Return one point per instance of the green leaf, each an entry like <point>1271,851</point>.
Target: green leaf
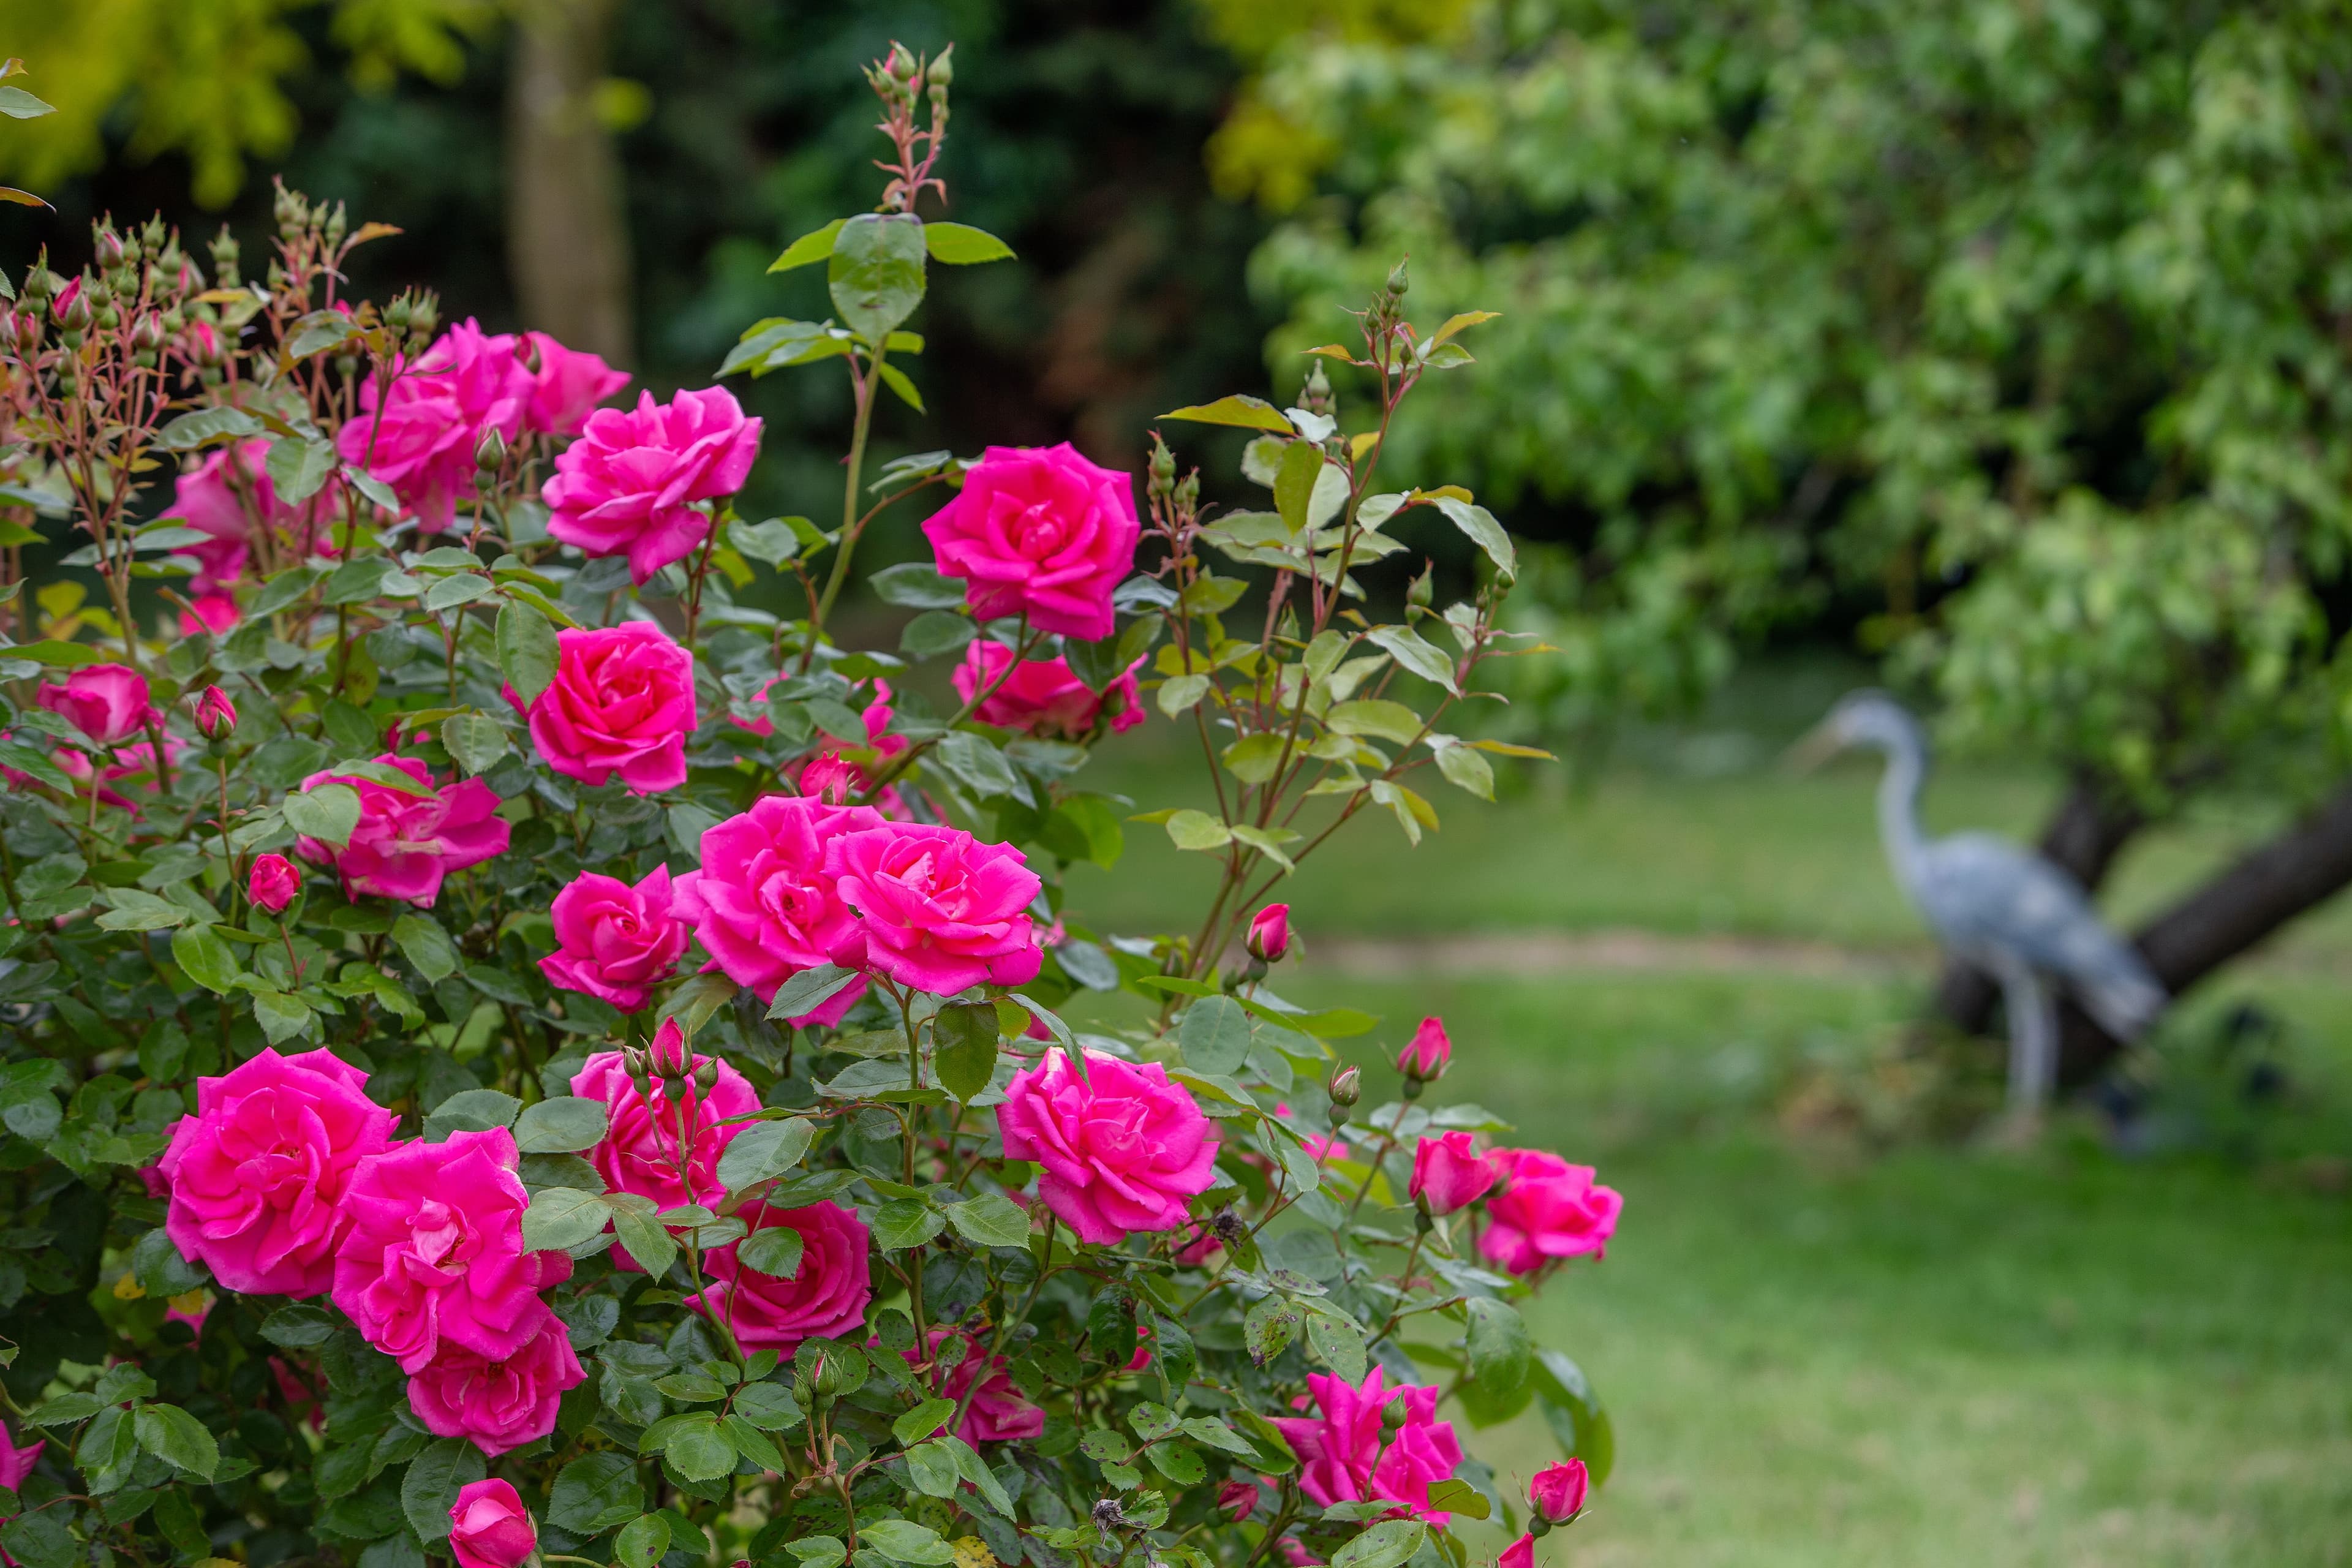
<point>1466,768</point>
<point>764,1150</point>
<point>903,1223</point>
<point>593,1494</point>
<point>206,426</point>
<point>964,1055</point>
<point>1410,649</point>
<point>876,271</point>
<point>1215,1036</point>
<point>281,1016</point>
<point>204,958</point>
<point>904,1541</point>
<point>562,1218</point>
<point>563,1125</point>
<point>1240,409</point>
<point>528,650</point>
<point>1180,693</point>
<point>461,588</point>
<point>1378,717</point>
<point>961,244</point>
<point>932,1467</point>
<point>936,632</point>
<point>1458,1496</point>
<point>1253,758</point>
<point>327,811</point>
<point>40,1540</point>
<point>1294,483</point>
<point>444,1468</point>
<point>282,590</point>
<point>980,766</point>
<point>1178,1463</point>
<point>809,248</point>
<point>774,1251</point>
<point>1190,829</point>
<point>1386,1544</point>
<point>804,991</point>
<point>818,1551</point>
<point>298,1326</point>
<point>917,586</point>
<point>1340,1343</point>
<point>1484,532</point>
<point>1268,1327</point>
<point>642,1541</point>
<point>653,1248</point>
<point>990,1220</point>
<point>178,1438</point>
<point>298,465</point>
<point>476,740</point>
<point>1499,1347</point>
<point>896,380</point>
<point>426,945</point>
<point>18,104</point>
<point>470,1110</point>
<point>699,1448</point>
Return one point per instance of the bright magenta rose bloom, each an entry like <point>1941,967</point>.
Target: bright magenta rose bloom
<point>1557,1494</point>
<point>1548,1210</point>
<point>824,1299</point>
<point>489,1526</point>
<point>404,844</point>
<point>107,702</point>
<point>1449,1174</point>
<point>274,882</point>
<point>622,702</point>
<point>997,1413</point>
<point>257,1176</point>
<point>938,910</point>
<point>497,1405</point>
<point>625,487</point>
<point>614,942</point>
<point>422,441</point>
<point>763,905</point>
<point>639,1152</point>
<point>1042,532</point>
<point>1345,1456</point>
<point>1519,1554</point>
<point>16,1463</point>
<point>567,385</point>
<point>1122,1149</point>
<point>1043,698</point>
<point>433,1256</point>
<point>207,499</point>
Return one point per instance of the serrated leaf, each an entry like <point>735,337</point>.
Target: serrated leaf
<point>875,273</point>
<point>1386,1544</point>
<point>642,1541</point>
<point>1238,409</point>
<point>429,1489</point>
<point>563,1125</point>
<point>298,465</point>
<point>1179,694</point>
<point>204,958</point>
<point>990,1220</point>
<point>804,991</point>
<point>653,1248</point>
<point>764,1150</point>
<point>1215,1036</point>
<point>476,740</point>
<point>327,811</point>
<point>561,1218</point>
<point>178,1438</point>
<point>775,1250</point>
<point>903,1223</point>
<point>426,945</point>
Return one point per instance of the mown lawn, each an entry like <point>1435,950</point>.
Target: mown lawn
<point>1822,1351</point>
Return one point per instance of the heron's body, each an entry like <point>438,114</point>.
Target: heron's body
<point>2001,908</point>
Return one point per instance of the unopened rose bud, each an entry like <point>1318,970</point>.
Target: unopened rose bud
<point>1557,1495</point>
<point>71,307</point>
<point>491,452</point>
<point>337,222</point>
<point>273,883</point>
<point>1269,934</point>
<point>109,248</point>
<point>1347,1085</point>
<point>39,283</point>
<point>215,714</point>
<point>1418,591</point>
<point>667,1055</point>
<point>1188,494</point>
<point>1238,1499</point>
<point>395,315</point>
<point>147,332</point>
<point>902,64</point>
<point>705,1077</point>
<point>1398,282</point>
<point>422,318</point>
<point>1426,1058</point>
<point>225,257</point>
<point>155,234</point>
<point>942,71</point>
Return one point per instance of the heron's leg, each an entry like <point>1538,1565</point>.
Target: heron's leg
<point>2032,1037</point>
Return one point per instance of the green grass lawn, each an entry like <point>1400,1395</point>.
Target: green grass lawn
<point>1820,1354</point>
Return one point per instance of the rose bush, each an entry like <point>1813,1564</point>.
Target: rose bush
<point>479,993</point>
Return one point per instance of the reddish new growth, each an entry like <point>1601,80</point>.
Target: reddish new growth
<point>893,82</point>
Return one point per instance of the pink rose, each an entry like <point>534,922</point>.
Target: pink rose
<point>567,385</point>
<point>1043,698</point>
<point>489,1526</point>
<point>614,941</point>
<point>134,762</point>
<point>1345,1456</point>
<point>763,905</point>
<point>405,844</point>
<point>422,441</point>
<point>997,1413</point>
<point>1557,1494</point>
<point>16,1463</point>
<point>433,1256</point>
<point>208,613</point>
<point>1429,1053</point>
<point>1548,1210</point>
<point>626,486</point>
<point>1238,1499</point>
<point>274,882</point>
<point>1519,1554</point>
<point>499,1404</point>
<point>259,1175</point>
<point>622,701</point>
<point>225,495</point>
<point>639,1152</point>
<point>1269,933</point>
<point>1449,1174</point>
<point>826,1297</point>
<point>107,702</point>
<point>1042,532</point>
<point>832,776</point>
<point>1122,1149</point>
<point>215,714</point>
<point>938,909</point>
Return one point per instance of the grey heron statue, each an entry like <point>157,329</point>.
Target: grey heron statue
<point>1992,904</point>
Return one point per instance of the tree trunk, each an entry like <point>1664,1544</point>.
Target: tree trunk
<point>567,235</point>
<point>2232,912</point>
<point>2090,825</point>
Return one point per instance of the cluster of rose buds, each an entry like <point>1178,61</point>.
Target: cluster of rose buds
<point>667,1062</point>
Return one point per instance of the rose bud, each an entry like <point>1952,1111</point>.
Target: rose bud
<point>273,883</point>
<point>1519,1554</point>
<point>1238,1499</point>
<point>1347,1085</point>
<point>1449,1174</point>
<point>1557,1494</point>
<point>668,1050</point>
<point>1269,933</point>
<point>1426,1058</point>
<point>489,1528</point>
<point>215,714</point>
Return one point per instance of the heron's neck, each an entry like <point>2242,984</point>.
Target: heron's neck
<point>1899,809</point>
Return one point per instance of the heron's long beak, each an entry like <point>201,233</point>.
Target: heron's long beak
<point>1817,746</point>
